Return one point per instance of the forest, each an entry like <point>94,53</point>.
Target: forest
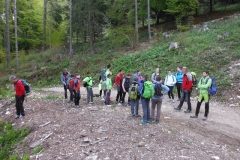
<point>30,26</point>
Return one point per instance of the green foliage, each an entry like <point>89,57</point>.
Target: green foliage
<point>2,55</point>
<point>26,157</point>
<point>8,138</point>
<point>37,150</point>
<point>51,97</point>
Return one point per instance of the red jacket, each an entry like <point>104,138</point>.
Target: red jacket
<point>118,78</point>
<point>76,85</point>
<point>19,88</point>
<point>187,81</point>
<point>71,84</point>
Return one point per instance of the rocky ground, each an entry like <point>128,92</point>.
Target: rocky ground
<point>98,132</point>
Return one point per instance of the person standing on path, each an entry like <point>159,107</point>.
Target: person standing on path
<point>155,74</point>
<point>157,99</point>
<point>186,87</point>
<point>76,89</point>
<point>117,81</point>
<point>179,78</point>
<point>109,88</point>
<point>64,80</point>
<point>170,81</point>
<point>89,83</point>
<point>19,96</point>
<point>204,84</point>
<point>125,85</point>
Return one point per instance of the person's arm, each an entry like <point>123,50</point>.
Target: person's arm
<point>123,85</point>
<point>165,82</point>
<point>206,86</point>
<point>174,80</point>
<point>166,89</point>
<point>62,80</point>
<point>189,82</point>
<point>140,88</point>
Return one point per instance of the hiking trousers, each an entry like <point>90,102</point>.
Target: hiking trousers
<point>71,95</point>
<point>65,90</point>
<point>179,89</point>
<point>19,105</point>
<point>134,106</point>
<point>89,95</point>
<point>185,95</point>
<point>170,92</point>
<point>158,103</point>
<point>206,105</point>
<point>146,109</point>
<point>107,99</point>
<point>119,94</point>
<point>77,97</point>
<point>123,96</point>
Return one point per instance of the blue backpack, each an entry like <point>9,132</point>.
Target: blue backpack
<point>26,86</point>
<point>213,89</point>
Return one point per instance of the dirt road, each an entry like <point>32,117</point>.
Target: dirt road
<point>100,132</point>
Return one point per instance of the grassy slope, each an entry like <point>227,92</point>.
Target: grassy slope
<point>198,51</point>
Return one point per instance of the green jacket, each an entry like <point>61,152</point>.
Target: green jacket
<point>109,84</point>
<point>203,84</point>
<point>89,81</point>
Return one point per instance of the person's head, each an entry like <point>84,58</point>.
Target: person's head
<point>72,75</point>
<point>184,70</point>
<point>144,77</point>
<point>139,71</point>
<point>109,66</point>
<point>169,72</point>
<point>89,73</point>
<point>109,76</point>
<point>158,78</point>
<point>65,71</point>
<point>179,68</point>
<point>13,78</point>
<point>129,75</point>
<point>157,70</point>
<point>135,79</point>
<point>205,73</point>
<point>121,71</point>
<point>77,76</point>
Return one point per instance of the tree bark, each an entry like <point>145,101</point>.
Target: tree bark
<point>149,27</point>
<point>136,21</point>
<point>211,6</point>
<point>7,34</point>
<point>70,40</point>
<point>16,32</point>
<point>90,22</point>
<point>44,23</point>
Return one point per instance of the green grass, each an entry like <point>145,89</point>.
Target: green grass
<point>9,137</point>
<point>51,97</point>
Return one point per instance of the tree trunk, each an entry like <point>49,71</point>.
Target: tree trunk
<point>136,21</point>
<point>44,24</point>
<point>196,11</point>
<point>149,29</point>
<point>211,6</point>
<point>16,32</point>
<point>70,40</point>
<point>50,26</point>
<point>7,34</point>
<point>142,22</point>
<point>91,32</point>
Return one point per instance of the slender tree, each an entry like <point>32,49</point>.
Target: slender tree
<point>70,40</point>
<point>149,27</point>
<point>136,20</point>
<point>7,34</point>
<point>44,23</point>
<point>16,32</point>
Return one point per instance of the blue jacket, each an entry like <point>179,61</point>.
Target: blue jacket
<point>136,75</point>
<point>166,89</point>
<point>179,77</point>
<point>63,81</point>
<point>140,83</point>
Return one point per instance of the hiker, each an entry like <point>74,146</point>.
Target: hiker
<point>100,87</point>
<point>117,80</point>
<point>204,84</point>
<point>170,82</point>
<point>146,92</point>
<point>108,91</point>
<point>19,96</point>
<point>138,75</point>
<point>88,83</point>
<point>186,90</point>
<point>125,85</point>
<point>179,78</point>
<point>155,74</point>
<point>157,99</point>
<point>64,79</point>
<point>104,74</point>
<point>134,97</point>
<point>76,89</point>
<point>71,87</point>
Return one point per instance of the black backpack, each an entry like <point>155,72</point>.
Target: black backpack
<point>158,89</point>
<point>126,84</point>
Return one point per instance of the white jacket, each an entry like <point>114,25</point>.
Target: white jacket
<point>170,80</point>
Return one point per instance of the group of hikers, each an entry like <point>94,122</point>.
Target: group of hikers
<point>138,87</point>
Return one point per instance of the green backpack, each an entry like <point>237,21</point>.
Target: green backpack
<point>134,92</point>
<point>148,90</point>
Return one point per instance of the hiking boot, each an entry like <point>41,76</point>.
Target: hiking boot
<point>108,105</point>
<point>178,109</point>
<point>170,100</point>
<point>77,106</point>
<point>119,104</point>
<point>133,115</point>
<point>157,121</point>
<point>194,116</point>
<point>90,102</point>
<point>178,99</point>
<point>17,117</point>
<point>124,104</point>
<point>103,99</point>
<point>173,101</point>
<point>143,122</point>
<point>137,115</point>
<point>187,111</point>
<point>204,118</point>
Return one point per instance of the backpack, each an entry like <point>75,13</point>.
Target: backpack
<point>148,90</point>
<point>134,92</point>
<point>71,84</point>
<point>103,76</point>
<point>26,86</point>
<point>194,79</point>
<point>158,90</point>
<point>213,88</point>
<point>126,83</point>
